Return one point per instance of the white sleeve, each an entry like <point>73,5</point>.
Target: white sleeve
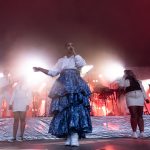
<point>56,69</point>
<point>79,61</point>
<point>123,82</point>
<point>143,90</point>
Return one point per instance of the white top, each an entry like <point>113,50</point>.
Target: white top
<point>21,97</point>
<point>65,62</point>
<point>134,98</point>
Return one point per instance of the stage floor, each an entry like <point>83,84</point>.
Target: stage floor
<point>103,127</point>
<point>85,144</point>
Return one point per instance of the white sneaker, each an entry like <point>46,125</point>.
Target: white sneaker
<point>134,135</point>
<point>74,139</point>
<point>68,141</point>
<point>142,135</point>
<point>20,139</point>
<point>12,140</point>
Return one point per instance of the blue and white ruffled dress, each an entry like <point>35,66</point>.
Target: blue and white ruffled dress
<point>70,105</point>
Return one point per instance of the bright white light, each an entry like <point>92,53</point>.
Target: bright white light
<point>1,75</point>
<point>104,110</point>
<point>112,71</point>
<point>42,87</point>
<point>42,108</point>
<point>100,76</point>
<point>95,81</point>
<point>146,84</point>
<point>86,69</point>
<point>25,69</point>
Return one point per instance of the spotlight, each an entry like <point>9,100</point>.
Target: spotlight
<point>112,71</point>
<point>25,69</point>
<point>86,69</point>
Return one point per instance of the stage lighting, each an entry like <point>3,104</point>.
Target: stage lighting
<point>100,76</point>
<point>112,71</point>
<point>25,70</point>
<point>86,69</point>
<point>1,75</point>
<point>146,84</point>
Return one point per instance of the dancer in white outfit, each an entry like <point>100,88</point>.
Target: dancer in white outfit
<point>135,97</point>
<point>19,103</point>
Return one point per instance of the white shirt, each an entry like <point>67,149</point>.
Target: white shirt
<point>65,62</point>
<point>21,97</point>
<point>134,98</point>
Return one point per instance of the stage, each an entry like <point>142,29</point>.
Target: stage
<point>85,144</point>
<point>103,127</point>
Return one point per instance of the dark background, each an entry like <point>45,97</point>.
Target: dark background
<point>100,29</point>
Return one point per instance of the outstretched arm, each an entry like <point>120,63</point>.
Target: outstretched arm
<point>53,71</point>
<point>36,69</point>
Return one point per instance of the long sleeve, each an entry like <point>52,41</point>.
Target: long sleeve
<point>56,69</point>
<point>73,62</point>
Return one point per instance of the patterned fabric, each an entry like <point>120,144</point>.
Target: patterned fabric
<point>70,105</point>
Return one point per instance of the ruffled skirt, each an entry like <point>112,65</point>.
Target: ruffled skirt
<point>70,105</point>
